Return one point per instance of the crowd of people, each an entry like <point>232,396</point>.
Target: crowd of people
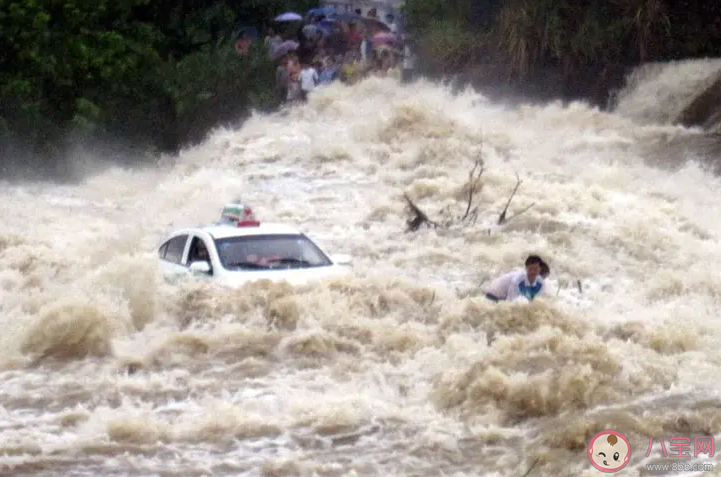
<point>325,47</point>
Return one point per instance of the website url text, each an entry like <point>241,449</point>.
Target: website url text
<point>680,467</point>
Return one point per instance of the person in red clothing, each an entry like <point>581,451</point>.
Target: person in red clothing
<point>242,44</point>
<point>354,37</point>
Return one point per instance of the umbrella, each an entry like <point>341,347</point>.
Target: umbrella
<point>312,31</point>
<point>383,39</point>
<point>289,17</point>
<point>283,49</point>
<point>250,32</point>
<point>373,25</point>
<point>344,17</point>
<point>321,11</point>
<point>326,25</point>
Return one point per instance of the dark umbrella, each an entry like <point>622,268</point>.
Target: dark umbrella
<point>320,12</point>
<point>326,25</point>
<point>344,17</point>
<point>250,32</point>
<point>374,26</point>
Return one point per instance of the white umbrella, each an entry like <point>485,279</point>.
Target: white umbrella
<point>289,17</point>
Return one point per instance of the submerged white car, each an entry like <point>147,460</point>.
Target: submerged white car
<point>239,250</point>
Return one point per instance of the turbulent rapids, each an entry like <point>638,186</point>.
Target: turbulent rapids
<point>404,369</point>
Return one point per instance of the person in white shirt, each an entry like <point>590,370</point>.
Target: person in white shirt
<point>526,282</point>
<point>308,80</point>
<point>391,22</point>
<point>409,62</point>
<point>365,50</point>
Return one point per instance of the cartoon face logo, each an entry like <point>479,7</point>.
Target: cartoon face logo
<point>609,451</point>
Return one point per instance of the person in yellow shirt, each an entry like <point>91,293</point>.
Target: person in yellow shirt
<point>351,69</point>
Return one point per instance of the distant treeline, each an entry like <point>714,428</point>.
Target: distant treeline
<point>159,74</point>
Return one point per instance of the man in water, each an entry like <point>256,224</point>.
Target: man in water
<point>519,283</point>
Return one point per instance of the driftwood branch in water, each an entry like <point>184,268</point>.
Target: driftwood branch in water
<point>419,217</point>
<point>470,215</point>
<point>502,219</point>
<point>474,186</point>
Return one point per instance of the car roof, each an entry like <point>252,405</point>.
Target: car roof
<point>221,231</point>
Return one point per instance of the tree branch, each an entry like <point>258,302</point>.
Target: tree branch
<point>470,215</point>
<point>519,213</point>
<point>502,217</point>
<point>474,186</point>
<point>419,217</point>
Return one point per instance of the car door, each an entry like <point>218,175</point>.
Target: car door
<point>171,255</point>
<point>197,241</point>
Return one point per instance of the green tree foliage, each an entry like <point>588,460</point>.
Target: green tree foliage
<point>579,39</point>
<point>155,72</point>
<point>447,38</point>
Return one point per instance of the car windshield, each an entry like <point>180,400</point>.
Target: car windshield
<point>269,252</point>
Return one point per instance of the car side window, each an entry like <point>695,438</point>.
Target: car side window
<point>175,249</point>
<point>198,251</point>
<point>162,250</point>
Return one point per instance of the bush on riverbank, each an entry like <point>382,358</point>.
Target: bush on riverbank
<point>583,46</point>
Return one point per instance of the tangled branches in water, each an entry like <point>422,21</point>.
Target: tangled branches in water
<point>470,216</point>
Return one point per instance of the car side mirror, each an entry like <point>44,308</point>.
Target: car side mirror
<point>341,259</point>
<point>200,267</point>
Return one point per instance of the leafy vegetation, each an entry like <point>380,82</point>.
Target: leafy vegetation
<point>584,43</point>
<point>155,74</point>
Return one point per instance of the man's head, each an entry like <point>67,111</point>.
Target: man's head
<point>533,267</point>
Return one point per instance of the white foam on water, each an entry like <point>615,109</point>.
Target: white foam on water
<point>403,369</point>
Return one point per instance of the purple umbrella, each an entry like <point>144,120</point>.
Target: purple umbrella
<point>326,24</point>
<point>384,39</point>
<point>289,17</point>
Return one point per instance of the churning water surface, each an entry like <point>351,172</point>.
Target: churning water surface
<point>404,369</point>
